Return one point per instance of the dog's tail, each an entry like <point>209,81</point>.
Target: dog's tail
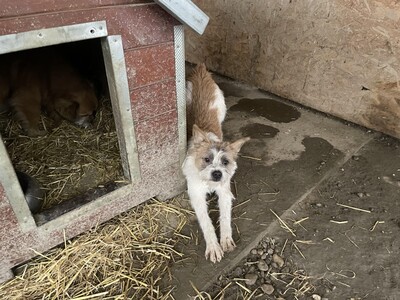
<point>201,67</point>
<point>200,71</point>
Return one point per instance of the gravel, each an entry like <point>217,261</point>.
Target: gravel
<point>266,273</point>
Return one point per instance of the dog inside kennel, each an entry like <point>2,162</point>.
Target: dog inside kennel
<point>57,122</point>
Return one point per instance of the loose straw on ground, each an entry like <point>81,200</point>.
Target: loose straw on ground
<point>128,257</point>
<point>283,223</point>
<point>354,208</point>
<point>375,224</point>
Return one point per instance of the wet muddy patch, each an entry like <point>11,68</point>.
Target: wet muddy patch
<point>270,109</point>
<point>259,131</point>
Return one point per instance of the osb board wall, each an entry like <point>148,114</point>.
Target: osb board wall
<point>337,56</point>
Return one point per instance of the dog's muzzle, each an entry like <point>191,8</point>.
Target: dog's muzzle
<point>85,121</point>
<point>216,175</point>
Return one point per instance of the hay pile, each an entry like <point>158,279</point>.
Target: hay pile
<point>128,257</point>
<point>68,160</point>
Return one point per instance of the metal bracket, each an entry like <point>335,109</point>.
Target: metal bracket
<point>52,36</point>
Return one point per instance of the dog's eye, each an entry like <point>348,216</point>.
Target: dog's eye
<point>206,159</point>
<point>225,162</point>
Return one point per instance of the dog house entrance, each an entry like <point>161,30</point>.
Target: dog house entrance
<point>73,165</point>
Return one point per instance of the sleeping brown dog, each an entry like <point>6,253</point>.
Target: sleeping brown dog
<point>42,80</point>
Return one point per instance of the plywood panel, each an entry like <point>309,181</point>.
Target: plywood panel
<point>148,65</point>
<point>340,57</point>
<point>153,100</point>
<point>29,7</point>
<point>138,25</point>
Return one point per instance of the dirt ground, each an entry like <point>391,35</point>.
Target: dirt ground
<point>321,194</point>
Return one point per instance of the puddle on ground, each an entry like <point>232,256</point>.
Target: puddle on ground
<point>273,110</point>
<point>259,131</point>
<point>230,89</point>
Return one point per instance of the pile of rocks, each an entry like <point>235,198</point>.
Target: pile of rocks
<point>266,272</point>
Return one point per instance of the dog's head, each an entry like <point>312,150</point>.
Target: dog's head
<point>79,107</point>
<point>212,160</point>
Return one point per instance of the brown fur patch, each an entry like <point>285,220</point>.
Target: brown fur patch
<point>41,79</point>
<point>200,153</point>
<point>203,96</point>
<point>202,147</point>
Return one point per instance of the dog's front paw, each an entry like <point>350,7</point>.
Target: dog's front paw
<point>214,252</point>
<point>227,244</point>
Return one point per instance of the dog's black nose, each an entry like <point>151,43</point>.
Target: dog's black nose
<point>216,175</point>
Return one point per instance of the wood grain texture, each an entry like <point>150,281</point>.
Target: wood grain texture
<point>338,56</point>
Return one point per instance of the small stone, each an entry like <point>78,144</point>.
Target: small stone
<point>238,272</point>
<point>361,195</point>
<point>285,270</point>
<point>267,289</point>
<point>260,252</point>
<point>254,251</point>
<point>270,251</point>
<point>278,260</point>
<point>251,278</point>
<point>316,297</point>
<point>262,266</point>
<point>264,256</point>
<point>319,204</point>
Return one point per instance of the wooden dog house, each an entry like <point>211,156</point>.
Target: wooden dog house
<point>142,43</point>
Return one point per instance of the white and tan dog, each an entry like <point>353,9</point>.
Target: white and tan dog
<point>210,163</point>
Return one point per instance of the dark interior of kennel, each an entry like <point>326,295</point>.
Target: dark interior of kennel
<point>57,154</point>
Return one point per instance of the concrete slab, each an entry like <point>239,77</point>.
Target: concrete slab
<point>361,259</point>
<point>293,150</point>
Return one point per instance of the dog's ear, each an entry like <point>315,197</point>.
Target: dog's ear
<point>66,108</point>
<point>237,145</point>
<point>199,135</point>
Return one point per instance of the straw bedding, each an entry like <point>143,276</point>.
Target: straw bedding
<point>125,258</point>
<point>68,160</point>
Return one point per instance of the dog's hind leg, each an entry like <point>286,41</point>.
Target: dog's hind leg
<point>198,197</point>
<point>225,210</point>
<point>27,105</point>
